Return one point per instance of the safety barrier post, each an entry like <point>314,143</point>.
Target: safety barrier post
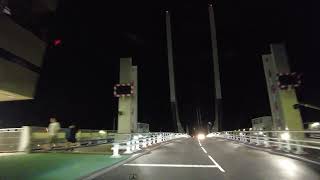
<point>288,147</point>
<point>149,141</point>
<point>133,145</point>
<point>299,149</point>
<point>128,148</point>
<point>144,143</point>
<point>153,139</point>
<point>250,138</point>
<point>115,149</point>
<point>279,144</point>
<point>257,140</point>
<point>137,141</point>
<point>266,141</point>
<point>159,138</point>
<point>25,139</point>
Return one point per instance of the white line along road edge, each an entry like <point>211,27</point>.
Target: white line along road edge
<point>173,165</point>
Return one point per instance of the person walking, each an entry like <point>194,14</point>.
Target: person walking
<point>53,129</point>
<point>71,135</point>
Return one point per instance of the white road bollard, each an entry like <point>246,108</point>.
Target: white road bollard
<point>153,139</point>
<point>257,140</point>
<point>242,138</point>
<point>299,149</point>
<point>115,150</point>
<point>128,148</point>
<point>137,142</point>
<point>133,145</point>
<point>279,144</point>
<point>250,138</point>
<point>149,141</point>
<point>288,146</point>
<point>159,138</point>
<point>144,142</point>
<point>266,141</point>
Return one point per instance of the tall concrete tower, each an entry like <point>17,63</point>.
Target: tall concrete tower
<point>173,99</point>
<point>218,96</point>
<point>128,107</point>
<point>284,116</point>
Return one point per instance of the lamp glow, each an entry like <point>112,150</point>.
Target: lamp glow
<point>201,136</point>
<point>285,136</point>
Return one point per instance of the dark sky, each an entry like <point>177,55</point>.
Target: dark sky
<point>77,77</point>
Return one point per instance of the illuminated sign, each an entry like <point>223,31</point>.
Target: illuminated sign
<point>123,90</point>
<point>288,80</point>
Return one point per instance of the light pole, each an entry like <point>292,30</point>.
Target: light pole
<point>173,99</point>
<point>217,85</point>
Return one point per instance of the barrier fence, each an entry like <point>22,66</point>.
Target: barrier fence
<point>140,141</point>
<point>27,139</point>
<point>289,141</point>
<point>10,139</point>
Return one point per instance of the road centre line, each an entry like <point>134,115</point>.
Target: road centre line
<point>173,165</point>
<point>214,162</point>
<point>204,150</point>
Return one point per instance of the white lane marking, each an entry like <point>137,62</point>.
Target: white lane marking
<point>214,162</point>
<point>204,150</point>
<point>222,170</point>
<point>173,165</point>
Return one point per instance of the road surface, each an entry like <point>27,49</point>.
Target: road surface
<point>212,158</point>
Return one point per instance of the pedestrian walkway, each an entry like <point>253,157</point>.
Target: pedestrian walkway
<point>53,165</point>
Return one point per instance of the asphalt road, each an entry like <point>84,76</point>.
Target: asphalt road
<point>212,158</point>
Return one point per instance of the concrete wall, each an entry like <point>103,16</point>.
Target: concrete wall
<point>18,82</point>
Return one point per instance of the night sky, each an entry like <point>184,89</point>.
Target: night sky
<point>77,76</point>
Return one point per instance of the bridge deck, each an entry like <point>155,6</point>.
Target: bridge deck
<point>212,159</point>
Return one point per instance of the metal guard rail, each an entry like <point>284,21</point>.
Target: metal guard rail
<point>142,141</point>
<point>289,141</point>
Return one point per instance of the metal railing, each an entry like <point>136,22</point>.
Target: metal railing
<point>289,141</point>
<point>85,137</point>
<point>139,141</point>
<point>29,138</point>
<point>10,139</point>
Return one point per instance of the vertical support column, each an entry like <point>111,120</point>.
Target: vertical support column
<point>217,84</point>
<point>125,103</point>
<point>281,100</point>
<point>135,99</point>
<point>25,140</point>
<point>173,100</point>
<point>128,105</point>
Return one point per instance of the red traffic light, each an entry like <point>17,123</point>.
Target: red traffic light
<point>57,42</point>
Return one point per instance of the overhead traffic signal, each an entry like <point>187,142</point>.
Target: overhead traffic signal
<point>288,80</point>
<point>122,90</point>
